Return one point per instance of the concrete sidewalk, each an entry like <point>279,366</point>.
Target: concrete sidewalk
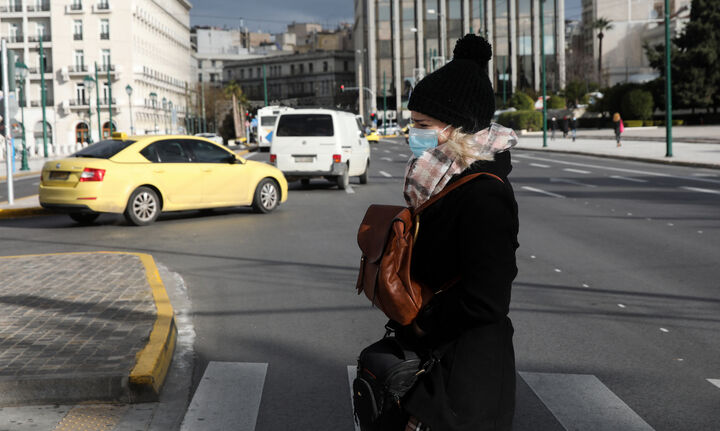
<point>79,327</point>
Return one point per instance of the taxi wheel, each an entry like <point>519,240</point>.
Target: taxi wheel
<point>84,218</point>
<point>267,196</point>
<point>143,207</point>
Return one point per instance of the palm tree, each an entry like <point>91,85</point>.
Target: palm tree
<point>601,25</point>
<point>234,91</point>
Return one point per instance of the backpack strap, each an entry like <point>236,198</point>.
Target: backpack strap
<point>450,187</point>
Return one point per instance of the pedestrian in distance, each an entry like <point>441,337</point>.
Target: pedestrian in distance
<point>573,127</point>
<point>619,127</point>
<point>553,127</point>
<point>469,236</point>
<point>565,126</point>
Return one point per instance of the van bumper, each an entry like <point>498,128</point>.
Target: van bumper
<point>335,170</point>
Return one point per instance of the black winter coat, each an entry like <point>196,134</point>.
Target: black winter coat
<point>471,232</point>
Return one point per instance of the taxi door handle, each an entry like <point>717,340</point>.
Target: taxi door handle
<point>159,171</point>
<point>207,170</point>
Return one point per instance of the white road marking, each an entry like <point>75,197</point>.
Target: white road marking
<point>349,190</point>
<point>671,224</point>
<point>533,189</point>
<point>532,257</point>
<point>634,180</point>
<point>583,402</point>
<point>664,330</point>
<point>538,165</point>
<point>565,180</point>
<point>704,175</point>
<point>228,397</point>
<point>385,174</point>
<point>577,171</point>
<point>585,285</point>
<point>609,168</point>
<point>404,156</point>
<point>621,305</point>
<point>695,189</point>
<point>558,270</point>
<point>352,373</point>
<point>386,151</point>
<point>700,231</point>
<point>387,159</point>
<point>715,382</point>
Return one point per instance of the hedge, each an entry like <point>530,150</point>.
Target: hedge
<point>557,102</point>
<point>519,120</point>
<point>637,104</point>
<point>521,101</point>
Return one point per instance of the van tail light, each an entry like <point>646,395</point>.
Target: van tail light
<point>337,158</point>
<point>91,174</point>
<point>273,158</point>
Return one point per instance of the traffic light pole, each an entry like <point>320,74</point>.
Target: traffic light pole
<point>668,84</point>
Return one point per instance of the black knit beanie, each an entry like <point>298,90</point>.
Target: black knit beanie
<point>460,93</point>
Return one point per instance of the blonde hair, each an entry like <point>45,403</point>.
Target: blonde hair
<point>464,148</point>
<point>616,117</point>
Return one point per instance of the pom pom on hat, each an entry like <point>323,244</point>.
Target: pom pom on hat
<point>474,48</point>
<point>460,93</point>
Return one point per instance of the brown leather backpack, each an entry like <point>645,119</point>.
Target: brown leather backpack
<point>386,237</point>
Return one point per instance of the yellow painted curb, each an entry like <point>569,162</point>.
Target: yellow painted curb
<point>153,361</point>
<point>22,212</point>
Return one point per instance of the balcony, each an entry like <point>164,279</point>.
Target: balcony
<point>42,7</point>
<point>106,68</point>
<point>44,37</point>
<point>78,69</point>
<point>77,36</point>
<point>36,70</point>
<point>74,8</point>
<point>104,101</point>
<point>78,104</point>
<point>16,38</point>
<point>12,8</point>
<point>49,102</point>
<point>101,7</point>
<point>104,36</point>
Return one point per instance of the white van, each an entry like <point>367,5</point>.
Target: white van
<point>266,119</point>
<point>311,143</point>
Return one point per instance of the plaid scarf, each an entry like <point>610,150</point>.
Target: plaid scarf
<point>427,175</point>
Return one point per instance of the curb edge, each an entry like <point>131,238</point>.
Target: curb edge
<point>619,157</point>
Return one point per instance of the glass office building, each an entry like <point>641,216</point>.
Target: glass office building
<point>397,42</point>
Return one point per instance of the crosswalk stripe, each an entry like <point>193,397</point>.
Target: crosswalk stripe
<point>697,189</point>
<point>715,382</point>
<point>635,180</point>
<point>228,397</point>
<point>385,174</point>
<point>582,402</point>
<point>539,165</point>
<point>577,171</point>
<point>352,372</point>
<point>533,189</point>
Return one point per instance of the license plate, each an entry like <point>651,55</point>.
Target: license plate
<point>304,159</point>
<point>59,175</point>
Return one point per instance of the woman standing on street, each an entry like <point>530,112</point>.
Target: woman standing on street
<point>618,126</point>
<point>470,237</point>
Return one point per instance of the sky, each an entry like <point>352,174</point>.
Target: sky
<point>273,16</point>
<point>270,16</point>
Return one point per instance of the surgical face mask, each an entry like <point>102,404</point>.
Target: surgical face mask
<point>421,140</point>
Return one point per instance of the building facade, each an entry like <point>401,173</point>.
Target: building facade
<point>139,46</point>
<point>312,79</point>
<point>399,41</point>
<point>634,22</point>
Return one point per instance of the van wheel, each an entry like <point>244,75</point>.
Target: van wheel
<point>143,207</point>
<point>84,218</point>
<point>267,196</point>
<point>343,180</point>
<point>364,176</point>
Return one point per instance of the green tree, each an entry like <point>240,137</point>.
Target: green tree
<point>602,25</point>
<point>234,92</point>
<point>637,104</point>
<point>521,101</point>
<point>557,102</point>
<point>695,57</point>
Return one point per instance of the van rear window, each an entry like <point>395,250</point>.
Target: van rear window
<point>305,125</point>
<point>268,121</point>
<point>104,149</point>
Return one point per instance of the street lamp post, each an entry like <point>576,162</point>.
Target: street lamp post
<point>89,84</point>
<point>668,85</point>
<point>164,108</point>
<point>97,96</point>
<point>21,74</point>
<point>129,91</point>
<point>544,84</point>
<point>153,100</point>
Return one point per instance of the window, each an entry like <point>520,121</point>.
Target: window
<point>249,73</point>
<point>103,5</point>
<point>205,152</point>
<point>81,133</point>
<point>302,68</point>
<point>105,29</point>
<point>310,67</point>
<point>104,149</point>
<point>41,30</point>
<point>80,94</point>
<point>212,63</point>
<point>106,59</point>
<point>325,66</point>
<point>79,60</point>
<point>166,152</point>
<point>292,69</point>
<point>242,73</point>
<point>345,65</point>
<point>200,77</point>
<point>213,77</point>
<point>106,93</point>
<point>76,5</point>
<point>305,125</point>
<point>77,29</point>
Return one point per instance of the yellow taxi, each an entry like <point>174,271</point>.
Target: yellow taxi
<point>143,176</point>
<point>373,136</point>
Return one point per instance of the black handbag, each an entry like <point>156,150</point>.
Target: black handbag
<point>386,371</point>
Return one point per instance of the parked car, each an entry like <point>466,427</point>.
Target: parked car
<point>143,176</point>
<point>211,136</point>
<point>312,143</point>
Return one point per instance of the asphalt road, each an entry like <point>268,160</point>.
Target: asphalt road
<point>615,306</point>
<point>22,186</point>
